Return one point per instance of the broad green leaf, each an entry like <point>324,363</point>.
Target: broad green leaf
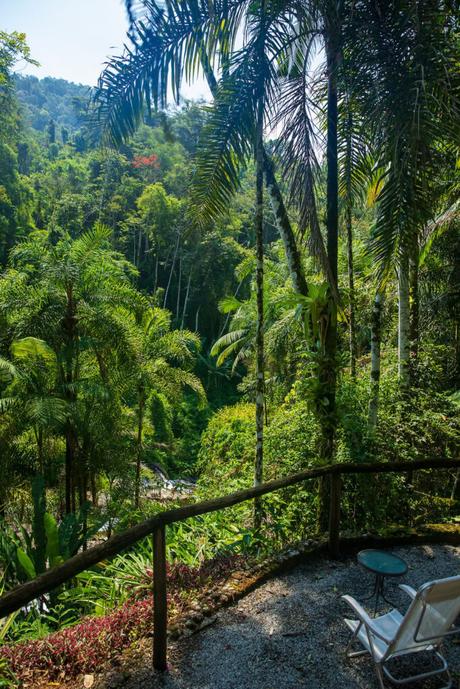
<point>26,563</point>
<point>52,538</point>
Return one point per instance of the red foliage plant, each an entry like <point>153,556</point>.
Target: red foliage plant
<point>92,642</point>
<point>140,162</point>
<point>85,646</point>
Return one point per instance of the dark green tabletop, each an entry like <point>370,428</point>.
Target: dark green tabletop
<point>382,563</point>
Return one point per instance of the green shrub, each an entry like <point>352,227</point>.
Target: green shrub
<point>226,454</point>
<point>426,427</point>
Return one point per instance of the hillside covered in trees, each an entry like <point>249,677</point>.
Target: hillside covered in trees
<point>195,298</point>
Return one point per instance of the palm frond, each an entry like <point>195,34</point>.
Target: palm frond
<point>227,143</point>
<point>296,147</point>
<point>437,228</point>
<point>167,43</point>
<point>354,157</point>
<point>406,84</point>
<point>8,370</point>
<point>229,304</point>
<point>228,340</point>
<point>91,244</point>
<point>48,411</point>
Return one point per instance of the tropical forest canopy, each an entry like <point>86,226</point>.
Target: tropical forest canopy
<point>230,292</point>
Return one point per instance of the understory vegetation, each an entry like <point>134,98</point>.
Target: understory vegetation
<point>196,298</point>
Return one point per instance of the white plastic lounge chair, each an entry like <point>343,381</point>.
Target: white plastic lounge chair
<point>428,620</point>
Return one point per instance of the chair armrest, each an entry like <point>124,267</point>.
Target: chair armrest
<point>365,619</point>
<point>409,590</point>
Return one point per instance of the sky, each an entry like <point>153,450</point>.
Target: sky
<point>71,39</point>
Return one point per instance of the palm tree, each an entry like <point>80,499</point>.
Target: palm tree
<point>161,362</point>
<point>263,72</point>
<point>31,394</point>
<point>407,89</point>
<point>74,296</point>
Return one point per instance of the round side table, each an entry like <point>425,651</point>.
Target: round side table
<point>382,564</point>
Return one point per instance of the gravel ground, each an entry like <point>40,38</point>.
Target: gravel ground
<point>289,633</point>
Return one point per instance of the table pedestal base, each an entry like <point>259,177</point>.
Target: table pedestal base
<point>378,593</point>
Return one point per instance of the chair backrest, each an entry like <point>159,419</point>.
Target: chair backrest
<point>430,616</point>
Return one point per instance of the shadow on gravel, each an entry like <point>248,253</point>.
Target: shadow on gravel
<point>289,633</point>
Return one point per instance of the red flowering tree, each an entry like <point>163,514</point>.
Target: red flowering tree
<point>141,162</point>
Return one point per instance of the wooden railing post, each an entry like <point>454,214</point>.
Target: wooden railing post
<point>160,609</point>
<point>334,513</point>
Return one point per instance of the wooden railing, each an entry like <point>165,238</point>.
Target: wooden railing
<point>156,526</point>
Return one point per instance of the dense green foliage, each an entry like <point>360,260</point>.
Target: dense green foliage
<point>137,324</point>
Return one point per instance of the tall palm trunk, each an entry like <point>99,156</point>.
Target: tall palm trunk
<point>349,227</point>
<point>376,340</point>
<point>327,372</point>
<point>329,369</point>
<point>70,440</point>
<point>352,301</point>
<point>259,238</point>
<point>157,261</point>
<point>258,470</point>
<point>403,320</point>
<point>41,463</point>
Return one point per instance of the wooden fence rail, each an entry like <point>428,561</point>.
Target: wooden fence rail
<point>155,526</point>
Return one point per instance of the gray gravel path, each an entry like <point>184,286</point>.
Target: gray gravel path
<point>289,633</point>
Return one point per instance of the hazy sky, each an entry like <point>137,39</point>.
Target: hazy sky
<point>71,38</point>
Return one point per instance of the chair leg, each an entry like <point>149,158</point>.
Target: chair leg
<point>378,670</point>
<point>354,654</point>
<point>444,669</point>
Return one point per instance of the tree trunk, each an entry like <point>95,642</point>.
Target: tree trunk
<point>403,320</point>
<point>179,290</point>
<point>92,479</point>
<point>327,372</point>
<point>455,484</point>
<point>140,423</point>
<point>329,369</point>
<point>187,292</point>
<point>259,238</point>
<point>349,227</point>
<point>283,224</point>
<point>73,502</point>
<point>70,334</point>
<point>157,260</point>
<point>376,339</point>
<point>258,471</point>
<point>173,265</point>
<point>41,462</point>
